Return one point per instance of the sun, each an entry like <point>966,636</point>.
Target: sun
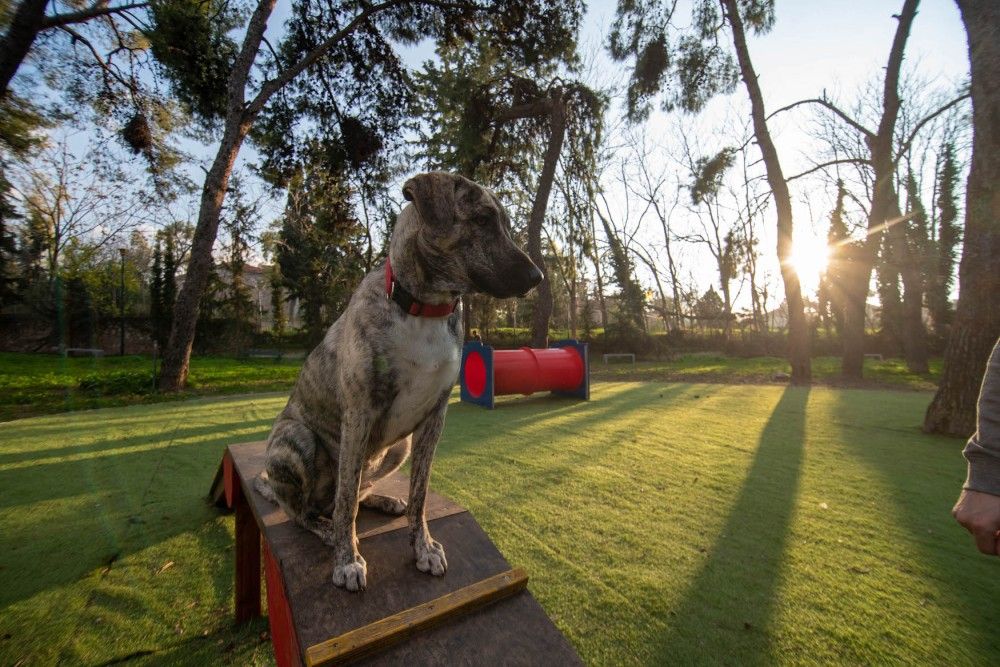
<point>809,258</point>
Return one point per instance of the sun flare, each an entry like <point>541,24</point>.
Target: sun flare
<point>809,258</point>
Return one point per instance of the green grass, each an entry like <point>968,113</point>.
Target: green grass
<point>712,367</point>
<point>34,384</point>
<point>660,524</point>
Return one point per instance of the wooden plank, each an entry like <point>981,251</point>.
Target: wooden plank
<point>395,628</point>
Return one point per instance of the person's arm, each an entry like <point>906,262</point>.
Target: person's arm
<point>978,508</point>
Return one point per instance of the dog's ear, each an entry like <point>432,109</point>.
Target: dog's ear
<point>433,194</point>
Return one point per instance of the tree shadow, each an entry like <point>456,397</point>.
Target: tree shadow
<point>922,488</point>
<point>731,600</point>
<point>40,457</point>
<point>531,425</point>
<point>72,517</point>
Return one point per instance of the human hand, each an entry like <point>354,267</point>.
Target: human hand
<point>979,513</point>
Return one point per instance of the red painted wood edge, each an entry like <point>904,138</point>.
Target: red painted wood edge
<point>283,638</point>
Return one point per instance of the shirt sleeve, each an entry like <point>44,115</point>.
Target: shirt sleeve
<point>983,450</point>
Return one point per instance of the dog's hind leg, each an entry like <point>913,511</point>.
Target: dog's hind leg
<point>297,474</point>
<point>394,457</point>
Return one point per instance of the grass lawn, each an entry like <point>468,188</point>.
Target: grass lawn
<point>713,367</point>
<point>660,524</point>
<point>35,384</point>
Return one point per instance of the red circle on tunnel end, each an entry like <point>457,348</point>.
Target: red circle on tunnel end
<point>475,374</point>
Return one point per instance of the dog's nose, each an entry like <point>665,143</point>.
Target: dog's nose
<point>534,276</point>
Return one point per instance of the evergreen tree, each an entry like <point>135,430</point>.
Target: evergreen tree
<point>169,285</point>
<point>319,248</point>
<point>889,294</point>
<point>238,302</point>
<point>942,268</point>
<point>156,314</point>
<point>632,306</point>
<point>8,246</point>
<point>710,310</point>
<point>831,285</point>
<point>280,322</point>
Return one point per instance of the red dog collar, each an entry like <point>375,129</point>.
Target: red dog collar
<point>406,301</point>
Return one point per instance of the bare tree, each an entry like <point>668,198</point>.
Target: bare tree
<point>882,150</point>
<point>662,199</point>
<point>68,199</point>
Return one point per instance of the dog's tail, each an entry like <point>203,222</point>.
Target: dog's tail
<point>263,486</point>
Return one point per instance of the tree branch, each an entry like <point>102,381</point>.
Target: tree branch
<point>905,146</point>
<point>77,37</point>
<point>831,107</point>
<point>830,163</point>
<point>540,107</point>
<point>285,76</point>
<point>99,8</point>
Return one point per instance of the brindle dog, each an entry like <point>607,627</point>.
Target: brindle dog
<point>377,387</point>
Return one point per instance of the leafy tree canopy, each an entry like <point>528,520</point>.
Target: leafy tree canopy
<point>687,66</point>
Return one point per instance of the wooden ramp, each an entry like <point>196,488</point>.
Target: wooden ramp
<point>479,612</point>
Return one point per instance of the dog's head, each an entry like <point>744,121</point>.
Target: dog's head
<point>462,238</point>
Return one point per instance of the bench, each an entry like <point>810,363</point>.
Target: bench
<point>876,357</point>
<point>277,355</point>
<point>619,355</point>
<point>479,612</point>
<point>84,352</point>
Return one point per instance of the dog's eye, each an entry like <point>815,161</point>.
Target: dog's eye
<point>484,219</point>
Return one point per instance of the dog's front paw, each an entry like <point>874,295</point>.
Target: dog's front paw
<point>430,557</point>
<point>351,576</point>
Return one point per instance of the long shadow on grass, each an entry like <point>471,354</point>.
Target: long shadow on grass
<point>41,457</point>
<point>534,463</point>
<point>726,613</point>
<point>78,515</point>
<point>921,478</point>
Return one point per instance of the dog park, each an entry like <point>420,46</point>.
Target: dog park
<point>530,332</point>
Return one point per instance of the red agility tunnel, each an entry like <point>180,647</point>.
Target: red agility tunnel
<point>488,373</point>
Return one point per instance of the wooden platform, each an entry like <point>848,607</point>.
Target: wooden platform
<point>306,610</point>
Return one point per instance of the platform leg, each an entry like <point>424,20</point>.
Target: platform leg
<point>247,586</point>
<point>284,639</point>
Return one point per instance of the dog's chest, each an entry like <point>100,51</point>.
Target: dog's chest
<point>426,355</point>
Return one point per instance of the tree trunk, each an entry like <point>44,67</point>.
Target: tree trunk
<point>977,318</point>
<point>727,306</point>
<point>855,300</point>
<point>14,47</point>
<point>798,332</point>
<point>177,355</point>
<point>543,303</point>
<point>675,288</point>
<point>884,200</point>
<point>596,259</point>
